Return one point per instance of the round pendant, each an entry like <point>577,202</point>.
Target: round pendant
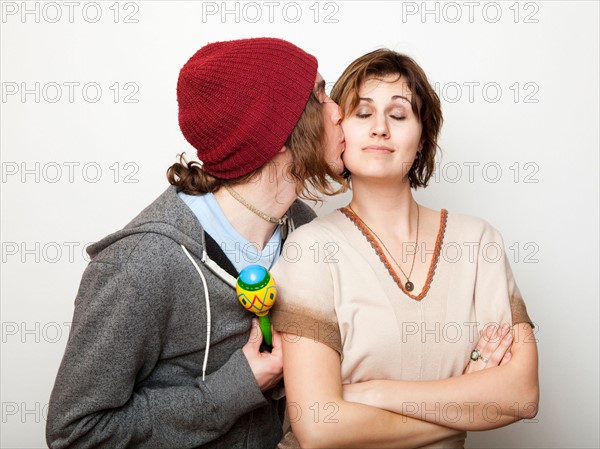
<point>409,286</point>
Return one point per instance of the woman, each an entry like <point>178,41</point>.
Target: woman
<point>161,353</point>
<point>397,291</point>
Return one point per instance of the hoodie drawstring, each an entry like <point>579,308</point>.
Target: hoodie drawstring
<point>208,322</point>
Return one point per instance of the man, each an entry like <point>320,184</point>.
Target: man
<point>161,353</point>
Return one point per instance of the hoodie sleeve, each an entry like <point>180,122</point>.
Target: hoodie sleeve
<point>115,343</point>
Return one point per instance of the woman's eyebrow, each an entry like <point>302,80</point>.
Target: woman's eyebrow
<point>394,97</point>
<point>401,97</point>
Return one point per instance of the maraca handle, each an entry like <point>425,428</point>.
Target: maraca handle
<point>265,326</point>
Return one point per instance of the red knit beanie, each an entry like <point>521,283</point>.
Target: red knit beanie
<point>240,100</point>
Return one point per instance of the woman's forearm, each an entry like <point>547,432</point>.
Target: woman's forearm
<point>342,424</point>
<point>482,400</point>
<point>320,417</point>
<point>478,401</point>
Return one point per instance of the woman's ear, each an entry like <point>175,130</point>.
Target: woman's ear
<point>283,149</point>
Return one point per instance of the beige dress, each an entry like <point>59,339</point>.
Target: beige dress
<point>336,286</point>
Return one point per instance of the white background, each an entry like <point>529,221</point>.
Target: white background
<point>519,86</point>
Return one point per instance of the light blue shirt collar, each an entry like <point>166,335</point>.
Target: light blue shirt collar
<point>238,250</point>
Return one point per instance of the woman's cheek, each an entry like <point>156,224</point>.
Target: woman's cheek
<point>352,131</point>
<point>348,158</point>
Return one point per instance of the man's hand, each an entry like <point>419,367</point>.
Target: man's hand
<point>266,366</point>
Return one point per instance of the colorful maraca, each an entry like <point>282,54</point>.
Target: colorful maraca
<point>256,291</point>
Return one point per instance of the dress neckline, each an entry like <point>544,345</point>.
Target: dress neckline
<point>379,250</point>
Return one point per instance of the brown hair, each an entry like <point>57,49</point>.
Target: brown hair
<point>309,168</point>
<point>378,64</point>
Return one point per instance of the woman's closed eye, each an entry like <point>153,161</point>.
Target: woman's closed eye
<point>393,115</point>
<point>398,113</point>
<point>363,112</point>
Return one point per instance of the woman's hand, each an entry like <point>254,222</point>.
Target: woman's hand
<point>492,349</point>
<point>513,387</point>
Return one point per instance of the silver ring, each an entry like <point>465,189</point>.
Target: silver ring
<point>483,359</point>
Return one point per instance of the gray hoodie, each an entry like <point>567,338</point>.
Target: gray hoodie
<point>132,372</point>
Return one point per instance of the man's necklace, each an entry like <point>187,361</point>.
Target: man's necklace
<point>251,208</point>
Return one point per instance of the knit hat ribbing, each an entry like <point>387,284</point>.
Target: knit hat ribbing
<point>240,100</point>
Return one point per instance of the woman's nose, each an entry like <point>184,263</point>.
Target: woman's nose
<point>379,127</point>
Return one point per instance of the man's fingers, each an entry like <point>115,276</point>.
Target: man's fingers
<point>256,337</point>
<point>276,340</point>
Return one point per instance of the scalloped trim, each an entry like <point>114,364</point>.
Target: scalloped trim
<point>377,247</point>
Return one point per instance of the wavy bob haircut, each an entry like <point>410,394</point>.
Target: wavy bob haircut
<point>382,63</point>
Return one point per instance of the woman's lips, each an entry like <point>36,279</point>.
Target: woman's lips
<point>378,149</point>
